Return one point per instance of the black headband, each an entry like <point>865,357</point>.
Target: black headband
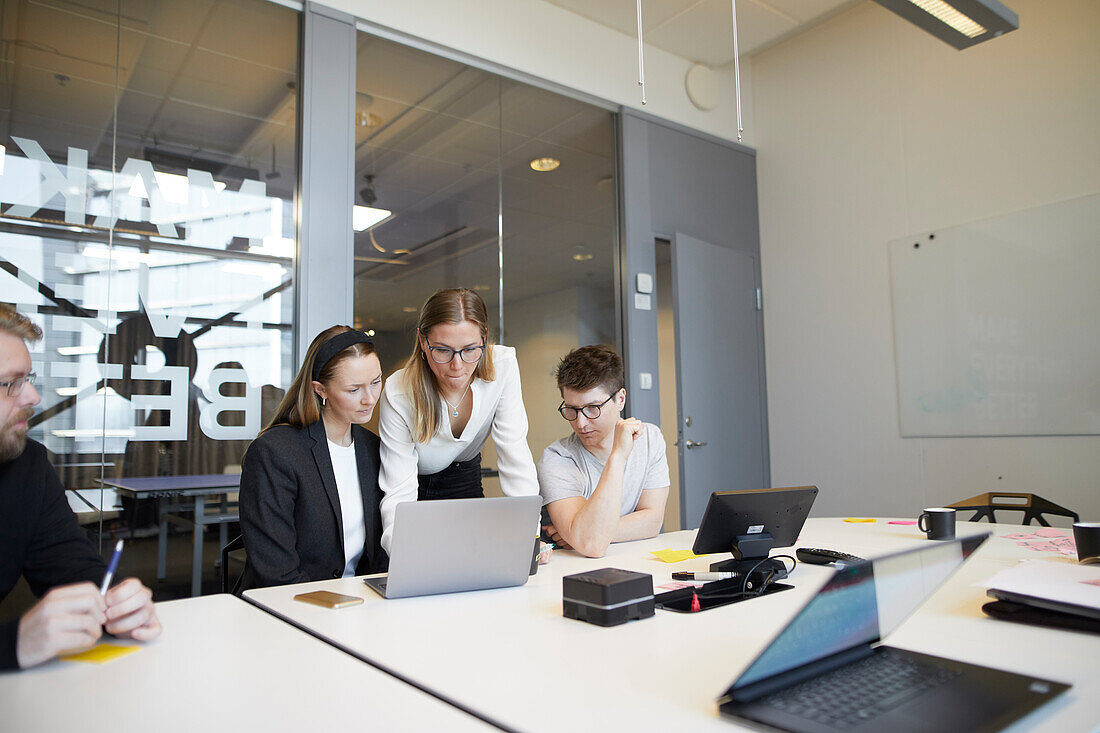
<point>334,346</point>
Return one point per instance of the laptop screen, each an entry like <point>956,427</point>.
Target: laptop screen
<point>860,604</point>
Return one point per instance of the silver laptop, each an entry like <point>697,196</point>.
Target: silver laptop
<point>454,545</point>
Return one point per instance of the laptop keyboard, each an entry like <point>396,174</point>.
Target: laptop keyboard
<point>861,691</point>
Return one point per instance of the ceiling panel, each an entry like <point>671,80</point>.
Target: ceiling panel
<point>704,34</point>
<point>699,30</point>
<point>622,14</point>
<point>804,10</point>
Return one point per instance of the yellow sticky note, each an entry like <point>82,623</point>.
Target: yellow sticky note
<point>668,555</point>
<point>859,520</point>
<point>101,653</point>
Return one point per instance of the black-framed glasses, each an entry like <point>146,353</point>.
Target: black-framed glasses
<point>445,354</point>
<point>15,386</point>
<point>589,411</point>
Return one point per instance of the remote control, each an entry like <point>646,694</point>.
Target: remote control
<point>817,556</point>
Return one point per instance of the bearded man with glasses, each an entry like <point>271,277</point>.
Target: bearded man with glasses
<point>608,481</point>
<point>40,538</point>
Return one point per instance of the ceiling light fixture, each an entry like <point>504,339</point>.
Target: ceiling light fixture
<point>365,217</point>
<point>582,256</point>
<point>542,165</point>
<point>960,23</point>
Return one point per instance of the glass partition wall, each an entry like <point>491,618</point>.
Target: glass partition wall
<point>147,185</point>
<point>468,179</point>
<point>148,174</point>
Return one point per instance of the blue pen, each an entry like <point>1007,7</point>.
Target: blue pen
<point>111,568</point>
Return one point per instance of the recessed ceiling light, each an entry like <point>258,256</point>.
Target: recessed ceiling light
<point>582,256</point>
<point>410,309</point>
<point>543,165</point>
<point>370,332</point>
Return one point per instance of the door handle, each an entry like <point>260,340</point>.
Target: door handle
<point>689,444</point>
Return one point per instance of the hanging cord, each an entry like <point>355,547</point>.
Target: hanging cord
<point>736,68</point>
<point>641,55</point>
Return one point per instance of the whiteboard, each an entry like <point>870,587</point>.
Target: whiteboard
<point>997,324</point>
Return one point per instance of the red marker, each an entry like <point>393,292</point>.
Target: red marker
<point>695,607</point>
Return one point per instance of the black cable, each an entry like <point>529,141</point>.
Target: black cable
<point>768,580</point>
<point>744,593</point>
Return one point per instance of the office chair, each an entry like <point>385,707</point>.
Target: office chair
<point>236,549</point>
<point>1033,507</point>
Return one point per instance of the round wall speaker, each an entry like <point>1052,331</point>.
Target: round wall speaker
<point>702,87</point>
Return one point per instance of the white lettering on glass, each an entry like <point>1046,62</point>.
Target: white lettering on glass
<point>174,401</point>
<point>248,403</point>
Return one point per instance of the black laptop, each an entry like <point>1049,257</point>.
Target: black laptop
<point>827,670</point>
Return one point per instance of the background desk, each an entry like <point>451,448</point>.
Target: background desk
<point>221,664</point>
<point>197,489</point>
<point>512,656</point>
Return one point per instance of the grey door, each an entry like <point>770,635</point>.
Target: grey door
<point>718,365</point>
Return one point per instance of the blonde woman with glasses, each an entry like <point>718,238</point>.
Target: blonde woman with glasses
<point>456,390</point>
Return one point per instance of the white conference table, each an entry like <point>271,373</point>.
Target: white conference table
<point>510,655</point>
<point>221,664</point>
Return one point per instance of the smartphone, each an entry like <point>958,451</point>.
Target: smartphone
<point>328,599</point>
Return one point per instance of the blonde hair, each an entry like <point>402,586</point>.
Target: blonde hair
<point>300,405</point>
<point>17,324</point>
<point>457,305</point>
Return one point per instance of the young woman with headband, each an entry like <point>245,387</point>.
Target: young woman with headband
<point>309,487</point>
<point>456,390</point>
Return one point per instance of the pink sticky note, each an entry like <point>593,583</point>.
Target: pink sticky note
<point>1043,547</point>
<point>1049,532</point>
<point>1018,536</point>
<point>902,521</point>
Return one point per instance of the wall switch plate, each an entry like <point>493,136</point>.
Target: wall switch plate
<point>642,302</point>
<point>645,380</point>
<point>644,283</point>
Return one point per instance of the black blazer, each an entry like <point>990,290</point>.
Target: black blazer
<point>40,538</point>
<point>290,509</point>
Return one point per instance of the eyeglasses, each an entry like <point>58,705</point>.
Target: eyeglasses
<point>15,386</point>
<point>445,354</point>
<point>589,411</point>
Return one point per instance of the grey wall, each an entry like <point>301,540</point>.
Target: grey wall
<point>677,180</point>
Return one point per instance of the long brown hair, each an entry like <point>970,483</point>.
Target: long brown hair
<point>300,405</point>
<point>457,305</point>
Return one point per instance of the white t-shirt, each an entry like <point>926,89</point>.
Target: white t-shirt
<point>567,469</point>
<point>346,469</point>
<point>497,410</point>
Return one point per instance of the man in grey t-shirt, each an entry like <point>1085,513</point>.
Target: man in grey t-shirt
<point>608,481</point>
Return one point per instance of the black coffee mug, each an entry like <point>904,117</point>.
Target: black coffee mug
<point>938,523</point>
<point>1086,535</point>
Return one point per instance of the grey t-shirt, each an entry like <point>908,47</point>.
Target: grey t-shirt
<point>566,469</point>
